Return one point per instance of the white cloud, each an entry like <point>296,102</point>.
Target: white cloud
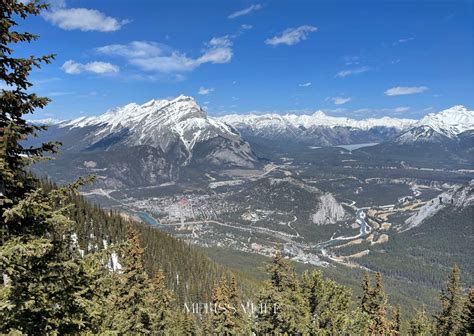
<point>151,56</point>
<point>73,68</point>
<point>246,27</point>
<point>101,67</point>
<point>340,100</point>
<point>205,91</point>
<point>345,73</point>
<point>135,49</point>
<point>245,11</point>
<point>404,40</point>
<point>401,109</point>
<point>405,90</point>
<point>217,55</point>
<point>83,19</point>
<point>305,84</point>
<point>291,36</point>
<point>223,41</point>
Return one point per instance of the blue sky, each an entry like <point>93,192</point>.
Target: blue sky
<point>351,58</point>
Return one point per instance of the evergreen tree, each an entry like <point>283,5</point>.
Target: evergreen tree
<point>330,307</point>
<point>366,299</point>
<point>131,314</point>
<point>397,320</point>
<point>468,313</point>
<point>450,320</point>
<point>15,103</point>
<point>281,305</point>
<point>45,286</point>
<point>104,285</point>
<point>420,325</point>
<point>374,304</point>
<point>159,302</point>
<point>228,317</point>
<point>222,319</point>
<point>241,318</point>
<point>184,324</point>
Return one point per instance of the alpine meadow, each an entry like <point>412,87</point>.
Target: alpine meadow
<point>287,168</point>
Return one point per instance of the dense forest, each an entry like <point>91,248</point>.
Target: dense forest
<point>69,267</point>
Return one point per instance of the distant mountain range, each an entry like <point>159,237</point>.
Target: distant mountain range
<point>163,140</point>
<point>323,130</point>
<point>181,124</point>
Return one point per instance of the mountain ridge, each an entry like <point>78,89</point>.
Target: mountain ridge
<point>191,124</point>
<point>178,125</point>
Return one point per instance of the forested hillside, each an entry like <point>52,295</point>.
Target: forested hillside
<point>189,273</point>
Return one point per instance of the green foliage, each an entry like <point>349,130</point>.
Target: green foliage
<point>420,325</point>
<point>281,305</point>
<point>468,313</point>
<point>46,288</point>
<point>227,315</point>
<point>129,302</point>
<point>450,320</point>
<point>330,306</point>
<point>374,302</point>
<point>160,301</point>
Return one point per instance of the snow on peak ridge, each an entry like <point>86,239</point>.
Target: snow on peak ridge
<point>160,124</point>
<point>176,109</point>
<point>451,121</point>
<point>318,118</point>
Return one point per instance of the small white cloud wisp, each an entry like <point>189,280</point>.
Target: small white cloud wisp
<point>350,72</point>
<point>405,90</point>
<point>205,91</point>
<point>245,11</point>
<point>74,68</point>
<point>291,36</point>
<point>340,100</point>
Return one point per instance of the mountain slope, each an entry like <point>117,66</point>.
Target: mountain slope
<point>142,145</point>
<point>177,125</point>
<point>439,236</point>
<point>457,199</point>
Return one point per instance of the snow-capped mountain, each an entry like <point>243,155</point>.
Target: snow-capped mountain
<point>450,122</point>
<point>176,126</point>
<point>322,129</point>
<point>318,119</point>
<point>159,142</point>
<point>444,126</point>
<point>318,128</point>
